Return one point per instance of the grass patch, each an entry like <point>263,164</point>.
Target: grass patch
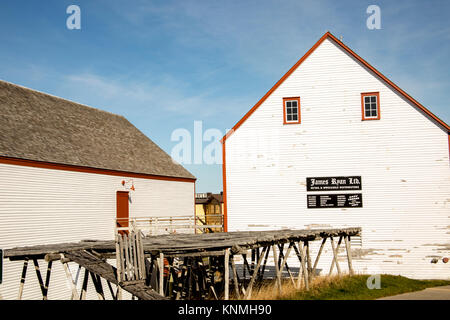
<point>346,288</point>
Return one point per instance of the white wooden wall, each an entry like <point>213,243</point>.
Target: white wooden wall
<point>403,160</point>
<point>44,206</point>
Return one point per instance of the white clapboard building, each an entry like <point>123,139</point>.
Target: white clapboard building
<point>335,143</point>
<point>67,171</point>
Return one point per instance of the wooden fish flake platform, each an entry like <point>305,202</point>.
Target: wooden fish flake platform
<point>186,266</point>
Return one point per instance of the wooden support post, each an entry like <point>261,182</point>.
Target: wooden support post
<point>335,257</point>
<point>349,254</point>
<point>261,275</point>
<point>47,278</point>
<point>69,278</point>
<point>244,257</point>
<point>253,261</point>
<point>248,293</point>
<point>280,249</point>
<point>44,289</point>
<point>235,279</point>
<point>227,274</point>
<point>85,283</point>
<point>161,273</point>
<point>302,271</point>
<point>78,274</point>
<point>119,265</point>
<point>284,262</point>
<point>136,275</point>
<point>98,286</point>
<point>284,256</point>
<point>128,272</point>
<point>308,261</point>
<point>113,295</point>
<point>277,270</point>
<point>122,257</point>
<point>337,250</point>
<point>22,279</point>
<point>141,254</point>
<point>258,253</point>
<point>318,256</point>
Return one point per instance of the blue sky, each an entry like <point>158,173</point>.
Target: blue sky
<point>165,64</point>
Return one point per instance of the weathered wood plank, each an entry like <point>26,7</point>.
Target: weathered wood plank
<point>108,272</point>
<point>188,243</point>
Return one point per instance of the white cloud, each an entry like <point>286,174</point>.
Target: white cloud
<point>149,95</point>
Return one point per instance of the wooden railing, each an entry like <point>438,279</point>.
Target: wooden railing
<point>170,224</point>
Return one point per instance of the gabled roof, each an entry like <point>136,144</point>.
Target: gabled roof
<point>328,35</point>
<point>40,127</point>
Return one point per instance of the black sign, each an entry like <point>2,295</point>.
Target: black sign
<point>333,183</point>
<point>349,200</point>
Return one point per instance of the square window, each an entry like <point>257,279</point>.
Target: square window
<point>291,110</point>
<point>370,106</point>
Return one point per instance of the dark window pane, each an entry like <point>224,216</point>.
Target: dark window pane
<point>288,104</point>
<point>294,110</point>
<point>367,113</point>
<point>367,99</point>
<point>289,117</point>
<point>373,99</point>
<point>294,103</point>
<point>294,117</point>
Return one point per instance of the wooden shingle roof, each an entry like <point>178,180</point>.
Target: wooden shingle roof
<point>40,127</point>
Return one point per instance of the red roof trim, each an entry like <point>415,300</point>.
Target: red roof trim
<point>69,167</point>
<point>365,63</point>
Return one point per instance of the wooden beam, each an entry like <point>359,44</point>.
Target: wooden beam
<point>255,273</point>
<point>261,274</point>
<point>98,286</point>
<point>302,271</point>
<point>235,278</point>
<point>308,260</point>
<point>227,273</point>
<point>85,283</point>
<point>141,256</point>
<point>284,262</point>
<point>119,265</point>
<point>335,260</point>
<point>285,256</point>
<point>337,250</point>
<point>127,259</point>
<point>41,282</point>
<point>277,270</point>
<point>22,279</point>
<point>161,273</point>
<point>133,248</point>
<point>318,256</point>
<point>69,278</point>
<point>47,278</point>
<point>349,254</point>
